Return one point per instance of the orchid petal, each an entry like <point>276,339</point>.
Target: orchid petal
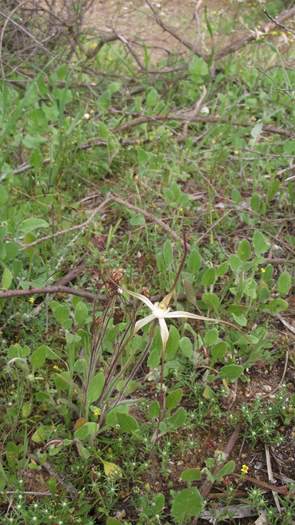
<point>188,315</point>
<point>142,298</point>
<point>164,332</point>
<point>142,322</point>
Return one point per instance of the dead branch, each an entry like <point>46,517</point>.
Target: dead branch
<point>172,31</point>
<point>263,484</point>
<point>149,216</point>
<point>51,290</point>
<point>254,35</point>
<point>127,44</point>
<point>271,477</point>
<point>67,485</point>
<point>72,274</point>
<point>189,117</point>
<point>278,24</point>
<point>195,112</point>
<point>104,38</point>
<point>81,227</point>
<point>232,47</point>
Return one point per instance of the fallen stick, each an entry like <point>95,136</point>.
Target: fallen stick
<point>67,485</point>
<point>9,294</point>
<point>263,484</point>
<point>149,216</point>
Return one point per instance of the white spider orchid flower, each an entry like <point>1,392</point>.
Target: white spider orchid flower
<point>161,312</point>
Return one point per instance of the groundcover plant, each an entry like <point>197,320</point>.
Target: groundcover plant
<point>147,249</point>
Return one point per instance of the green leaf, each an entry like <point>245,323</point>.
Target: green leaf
<point>127,423</point>
<point>241,319</point>
<point>222,269</point>
<point>177,420</point>
<point>173,343</point>
<point>7,278</point>
<point>194,261</point>
<point>236,196</point>
<point>86,431</point>
<point>136,219</point>
<point>154,409</point>
<point>218,352</point>
<point>38,358</point>
<point>173,398</point>
<point>186,347</point>
<point>63,381</point>
<point>208,277</point>
<point>41,434</point>
<point>33,141</point>
<point>112,416</point>
<point>158,503</point>
<point>260,243</point>
<point>3,195</point>
<point>26,409</point>
<point>81,313</point>
<point>61,312</point>
<point>95,387</point>
<point>231,372</point>
<point>32,224</point>
<point>3,478</point>
<point>152,98</point>
<point>257,203</point>
<point>111,470</point>
<point>211,337</point>
<point>244,250</point>
<point>113,521</point>
<point>208,393</point>
<point>211,300</point>
<point>18,351</point>
<point>167,253</point>
<point>187,503</point>
<point>198,69</point>
<point>155,353</point>
<point>250,287</point>
<point>191,474</point>
<point>276,306</point>
<point>235,263</point>
<point>226,470</point>
<point>284,283</point>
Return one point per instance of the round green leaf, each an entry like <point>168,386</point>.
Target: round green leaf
<point>231,372</point>
<point>284,283</point>
<point>187,503</point>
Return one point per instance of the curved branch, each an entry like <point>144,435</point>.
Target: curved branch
<point>9,294</point>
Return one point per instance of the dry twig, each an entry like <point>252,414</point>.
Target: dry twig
<point>28,292</point>
<point>186,43</point>
<point>81,227</point>
<point>271,478</point>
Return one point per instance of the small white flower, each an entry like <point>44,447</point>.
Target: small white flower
<point>161,311</point>
<point>205,110</point>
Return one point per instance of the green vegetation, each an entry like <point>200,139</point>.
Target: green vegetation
<point>115,181</point>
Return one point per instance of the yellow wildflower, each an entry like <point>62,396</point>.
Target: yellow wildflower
<point>96,411</point>
<point>244,469</point>
<point>262,270</point>
<point>32,300</point>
